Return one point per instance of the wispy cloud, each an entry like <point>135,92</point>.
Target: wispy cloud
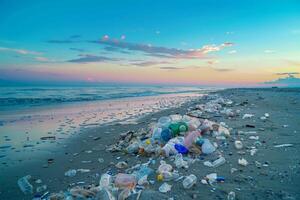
<point>171,68</point>
<point>232,52</point>
<point>150,63</point>
<point>88,58</point>
<point>223,69</point>
<point>269,51</point>
<point>20,51</point>
<point>159,51</point>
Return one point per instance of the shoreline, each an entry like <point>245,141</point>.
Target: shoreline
<point>259,101</point>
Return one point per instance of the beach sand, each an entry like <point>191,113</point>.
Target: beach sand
<point>279,178</point>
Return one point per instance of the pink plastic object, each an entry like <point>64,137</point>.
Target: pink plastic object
<point>125,181</point>
<point>190,138</point>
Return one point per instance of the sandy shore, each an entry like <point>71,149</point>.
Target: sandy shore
<point>278,178</point>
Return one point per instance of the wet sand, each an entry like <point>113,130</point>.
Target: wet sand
<point>279,178</point>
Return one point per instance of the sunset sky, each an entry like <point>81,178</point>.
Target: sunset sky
<point>213,42</point>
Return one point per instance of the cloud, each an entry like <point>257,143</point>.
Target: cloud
<point>20,51</point>
<point>211,62</point>
<point>150,63</point>
<point>88,58</point>
<point>42,59</point>
<point>171,68</point>
<point>232,52</point>
<point>223,69</point>
<point>269,51</point>
<point>163,51</point>
<point>290,81</point>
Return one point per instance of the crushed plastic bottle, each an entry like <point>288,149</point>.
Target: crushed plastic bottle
<point>179,162</point>
<point>220,161</point>
<point>207,147</point>
<point>143,171</point>
<point>165,187</point>
<point>231,195</point>
<point>238,144</point>
<point>125,181</point>
<point>105,180</point>
<point>24,185</point>
<point>71,173</point>
<point>189,181</point>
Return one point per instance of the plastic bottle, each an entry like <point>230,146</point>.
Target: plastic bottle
<point>125,181</point>
<point>207,147</point>
<point>190,138</point>
<point>199,141</point>
<point>179,162</point>
<point>24,185</point>
<point>181,149</point>
<point>166,134</point>
<point>164,122</point>
<point>143,171</point>
<point>178,127</point>
<point>220,161</point>
<point>105,180</point>
<point>231,196</point>
<point>71,173</point>
<point>189,181</point>
<point>156,134</point>
<point>133,148</point>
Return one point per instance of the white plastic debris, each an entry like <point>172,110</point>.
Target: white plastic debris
<point>243,162</point>
<point>220,161</point>
<point>165,187</point>
<point>189,181</point>
<point>71,173</point>
<point>254,137</point>
<point>248,116</point>
<point>283,145</point>
<point>238,144</point>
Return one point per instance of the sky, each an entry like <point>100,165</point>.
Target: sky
<point>190,42</point>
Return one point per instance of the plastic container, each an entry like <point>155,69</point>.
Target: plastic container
<point>181,149</point>
<point>143,171</point>
<point>231,196</point>
<point>190,138</point>
<point>156,133</point>
<point>189,181</point>
<point>166,134</point>
<point>179,162</point>
<point>220,161</point>
<point>105,180</point>
<point>133,148</point>
<point>71,173</point>
<point>199,141</point>
<point>164,122</point>
<point>24,185</point>
<point>207,147</point>
<point>178,127</point>
<point>125,181</point>
<point>169,148</point>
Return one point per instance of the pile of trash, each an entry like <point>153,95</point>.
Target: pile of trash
<point>175,142</point>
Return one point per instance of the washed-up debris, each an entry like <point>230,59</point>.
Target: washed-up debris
<point>48,138</point>
<point>71,173</point>
<point>121,165</point>
<point>25,185</point>
<point>176,142</point>
<point>220,161</point>
<point>231,195</point>
<point>238,144</point>
<point>247,116</point>
<point>189,181</point>
<point>243,162</point>
<point>283,145</point>
<point>165,187</point>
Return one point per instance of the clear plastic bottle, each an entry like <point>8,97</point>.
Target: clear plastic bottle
<point>231,196</point>
<point>207,147</point>
<point>24,185</point>
<point>125,181</point>
<point>189,181</point>
<point>220,161</point>
<point>105,180</point>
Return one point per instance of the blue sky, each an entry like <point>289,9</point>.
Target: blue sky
<point>59,36</point>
